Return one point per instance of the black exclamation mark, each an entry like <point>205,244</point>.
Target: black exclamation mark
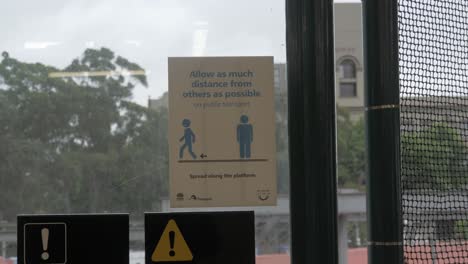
<point>45,243</point>
<point>171,242</point>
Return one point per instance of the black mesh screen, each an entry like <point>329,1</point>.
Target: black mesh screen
<point>433,50</point>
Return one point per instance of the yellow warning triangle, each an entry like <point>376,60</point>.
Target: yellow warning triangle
<point>171,245</point>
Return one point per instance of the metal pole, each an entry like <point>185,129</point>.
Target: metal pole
<point>312,141</point>
<point>4,243</point>
<point>432,242</point>
<point>383,131</point>
<point>357,233</point>
<point>4,249</point>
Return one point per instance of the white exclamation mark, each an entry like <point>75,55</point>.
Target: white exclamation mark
<point>45,243</point>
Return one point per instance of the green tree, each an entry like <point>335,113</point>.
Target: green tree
<point>78,144</point>
<point>351,150</point>
<point>434,158</point>
<point>461,229</point>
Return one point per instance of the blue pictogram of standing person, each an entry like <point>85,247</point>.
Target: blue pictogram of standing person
<point>244,137</point>
<point>188,138</point>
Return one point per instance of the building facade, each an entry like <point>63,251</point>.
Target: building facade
<point>349,75</point>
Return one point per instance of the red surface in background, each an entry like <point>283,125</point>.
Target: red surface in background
<point>273,259</point>
<point>5,261</point>
<point>447,252</point>
<point>355,256</point>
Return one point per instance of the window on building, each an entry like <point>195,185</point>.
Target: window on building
<point>347,78</point>
<point>348,69</point>
<point>348,89</point>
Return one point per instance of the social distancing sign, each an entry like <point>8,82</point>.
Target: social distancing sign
<point>222,131</point>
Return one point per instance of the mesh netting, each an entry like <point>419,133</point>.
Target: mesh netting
<point>433,50</point>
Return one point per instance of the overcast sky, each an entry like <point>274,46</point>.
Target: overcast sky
<point>144,31</point>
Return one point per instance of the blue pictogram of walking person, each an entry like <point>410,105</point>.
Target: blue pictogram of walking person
<point>244,137</point>
<point>188,138</point>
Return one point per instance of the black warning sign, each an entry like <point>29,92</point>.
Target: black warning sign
<point>167,249</point>
<point>45,243</point>
<point>73,239</point>
<point>211,237</point>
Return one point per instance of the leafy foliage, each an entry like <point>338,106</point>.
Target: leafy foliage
<point>78,144</point>
<point>434,158</point>
<point>351,150</point>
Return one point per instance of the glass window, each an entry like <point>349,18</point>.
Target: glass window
<point>348,69</point>
<point>84,103</point>
<point>348,89</point>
